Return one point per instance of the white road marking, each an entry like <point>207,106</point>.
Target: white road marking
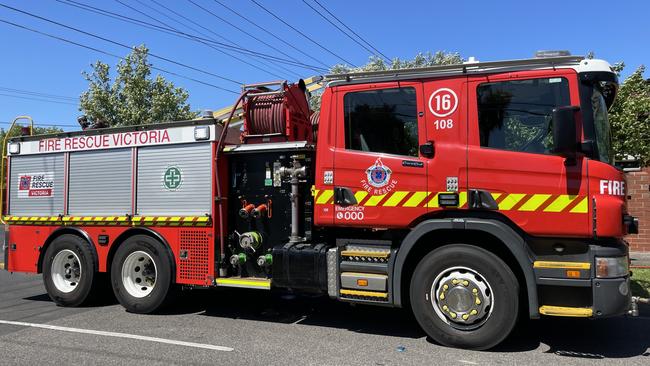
<point>468,362</point>
<point>119,335</point>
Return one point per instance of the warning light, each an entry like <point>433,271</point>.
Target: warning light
<point>362,282</point>
<point>573,274</point>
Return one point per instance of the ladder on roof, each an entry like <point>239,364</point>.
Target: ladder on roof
<point>456,68</point>
<point>4,184</point>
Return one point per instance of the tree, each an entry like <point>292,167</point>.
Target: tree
<point>134,97</point>
<point>630,118</point>
<point>378,64</point>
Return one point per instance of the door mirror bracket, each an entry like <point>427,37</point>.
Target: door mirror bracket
<point>428,149</point>
<point>565,142</point>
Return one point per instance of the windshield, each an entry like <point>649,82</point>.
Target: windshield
<point>601,127</point>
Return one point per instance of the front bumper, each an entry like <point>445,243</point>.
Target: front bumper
<point>583,295</point>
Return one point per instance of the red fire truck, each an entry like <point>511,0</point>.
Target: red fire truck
<point>473,194</point>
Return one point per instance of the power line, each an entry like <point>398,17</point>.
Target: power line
<point>37,94</point>
<point>37,99</point>
<point>303,34</point>
<point>177,33</point>
<point>270,33</point>
<point>113,55</point>
<point>197,40</point>
<point>240,29</point>
<point>267,64</point>
<point>339,28</point>
<point>350,29</point>
<point>120,44</point>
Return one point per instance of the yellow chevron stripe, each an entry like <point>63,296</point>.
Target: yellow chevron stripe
<point>433,203</point>
<point>462,199</point>
<point>582,207</point>
<point>534,202</point>
<point>496,195</point>
<point>510,201</point>
<point>416,199</point>
<point>560,203</point>
<point>325,196</point>
<point>360,195</point>
<point>395,198</point>
<point>374,200</point>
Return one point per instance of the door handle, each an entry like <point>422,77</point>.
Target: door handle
<point>428,149</point>
<point>343,196</point>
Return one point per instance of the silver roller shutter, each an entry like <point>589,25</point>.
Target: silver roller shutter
<point>100,183</point>
<point>41,191</point>
<point>175,180</point>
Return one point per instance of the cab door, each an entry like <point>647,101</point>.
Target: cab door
<point>510,151</point>
<point>446,126</point>
<point>380,177</point>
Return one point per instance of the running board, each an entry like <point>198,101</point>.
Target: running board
<point>565,311</point>
<point>244,282</point>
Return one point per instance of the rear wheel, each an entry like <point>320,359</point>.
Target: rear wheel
<point>69,270</point>
<point>141,274</point>
<point>464,296</point>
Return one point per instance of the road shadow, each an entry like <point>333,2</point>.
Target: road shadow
<point>620,337</point>
<point>615,338</point>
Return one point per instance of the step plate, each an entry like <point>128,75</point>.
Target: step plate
<point>245,282</point>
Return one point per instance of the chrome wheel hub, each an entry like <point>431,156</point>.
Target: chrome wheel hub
<point>66,271</point>
<point>462,298</point>
<point>139,274</point>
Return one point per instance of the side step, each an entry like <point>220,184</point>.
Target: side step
<point>244,282</point>
<point>358,270</point>
<point>566,311</point>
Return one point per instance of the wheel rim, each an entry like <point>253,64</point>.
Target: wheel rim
<point>462,298</point>
<point>66,271</point>
<point>139,274</point>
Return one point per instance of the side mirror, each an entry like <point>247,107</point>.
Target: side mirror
<point>565,141</point>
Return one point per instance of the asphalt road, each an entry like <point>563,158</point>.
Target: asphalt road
<point>280,329</point>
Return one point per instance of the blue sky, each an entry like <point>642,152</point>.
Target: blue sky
<point>488,30</point>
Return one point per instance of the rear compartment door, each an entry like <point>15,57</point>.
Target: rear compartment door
<point>377,164</point>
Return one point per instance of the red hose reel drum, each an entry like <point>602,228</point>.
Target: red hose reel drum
<point>275,116</point>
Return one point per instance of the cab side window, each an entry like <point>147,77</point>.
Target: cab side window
<point>382,121</point>
<point>517,115</point>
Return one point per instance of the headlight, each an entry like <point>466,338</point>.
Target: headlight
<point>201,133</point>
<point>14,148</point>
<point>611,267</point>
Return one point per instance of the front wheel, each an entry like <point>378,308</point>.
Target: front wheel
<point>141,274</point>
<point>465,296</point>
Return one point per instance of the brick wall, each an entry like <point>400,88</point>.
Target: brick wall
<point>638,186</point>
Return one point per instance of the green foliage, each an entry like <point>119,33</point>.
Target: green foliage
<point>630,118</point>
<point>134,97</point>
<point>378,64</point>
<point>640,282</point>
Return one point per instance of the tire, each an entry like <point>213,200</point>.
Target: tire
<point>69,271</point>
<point>479,306</point>
<point>142,275</point>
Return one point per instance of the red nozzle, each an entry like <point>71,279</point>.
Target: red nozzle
<point>246,211</point>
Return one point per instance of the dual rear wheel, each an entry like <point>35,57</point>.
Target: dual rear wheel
<point>141,273</point>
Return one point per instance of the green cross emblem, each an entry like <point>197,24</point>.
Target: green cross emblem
<point>172,178</point>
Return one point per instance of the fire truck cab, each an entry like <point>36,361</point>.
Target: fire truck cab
<point>474,194</point>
